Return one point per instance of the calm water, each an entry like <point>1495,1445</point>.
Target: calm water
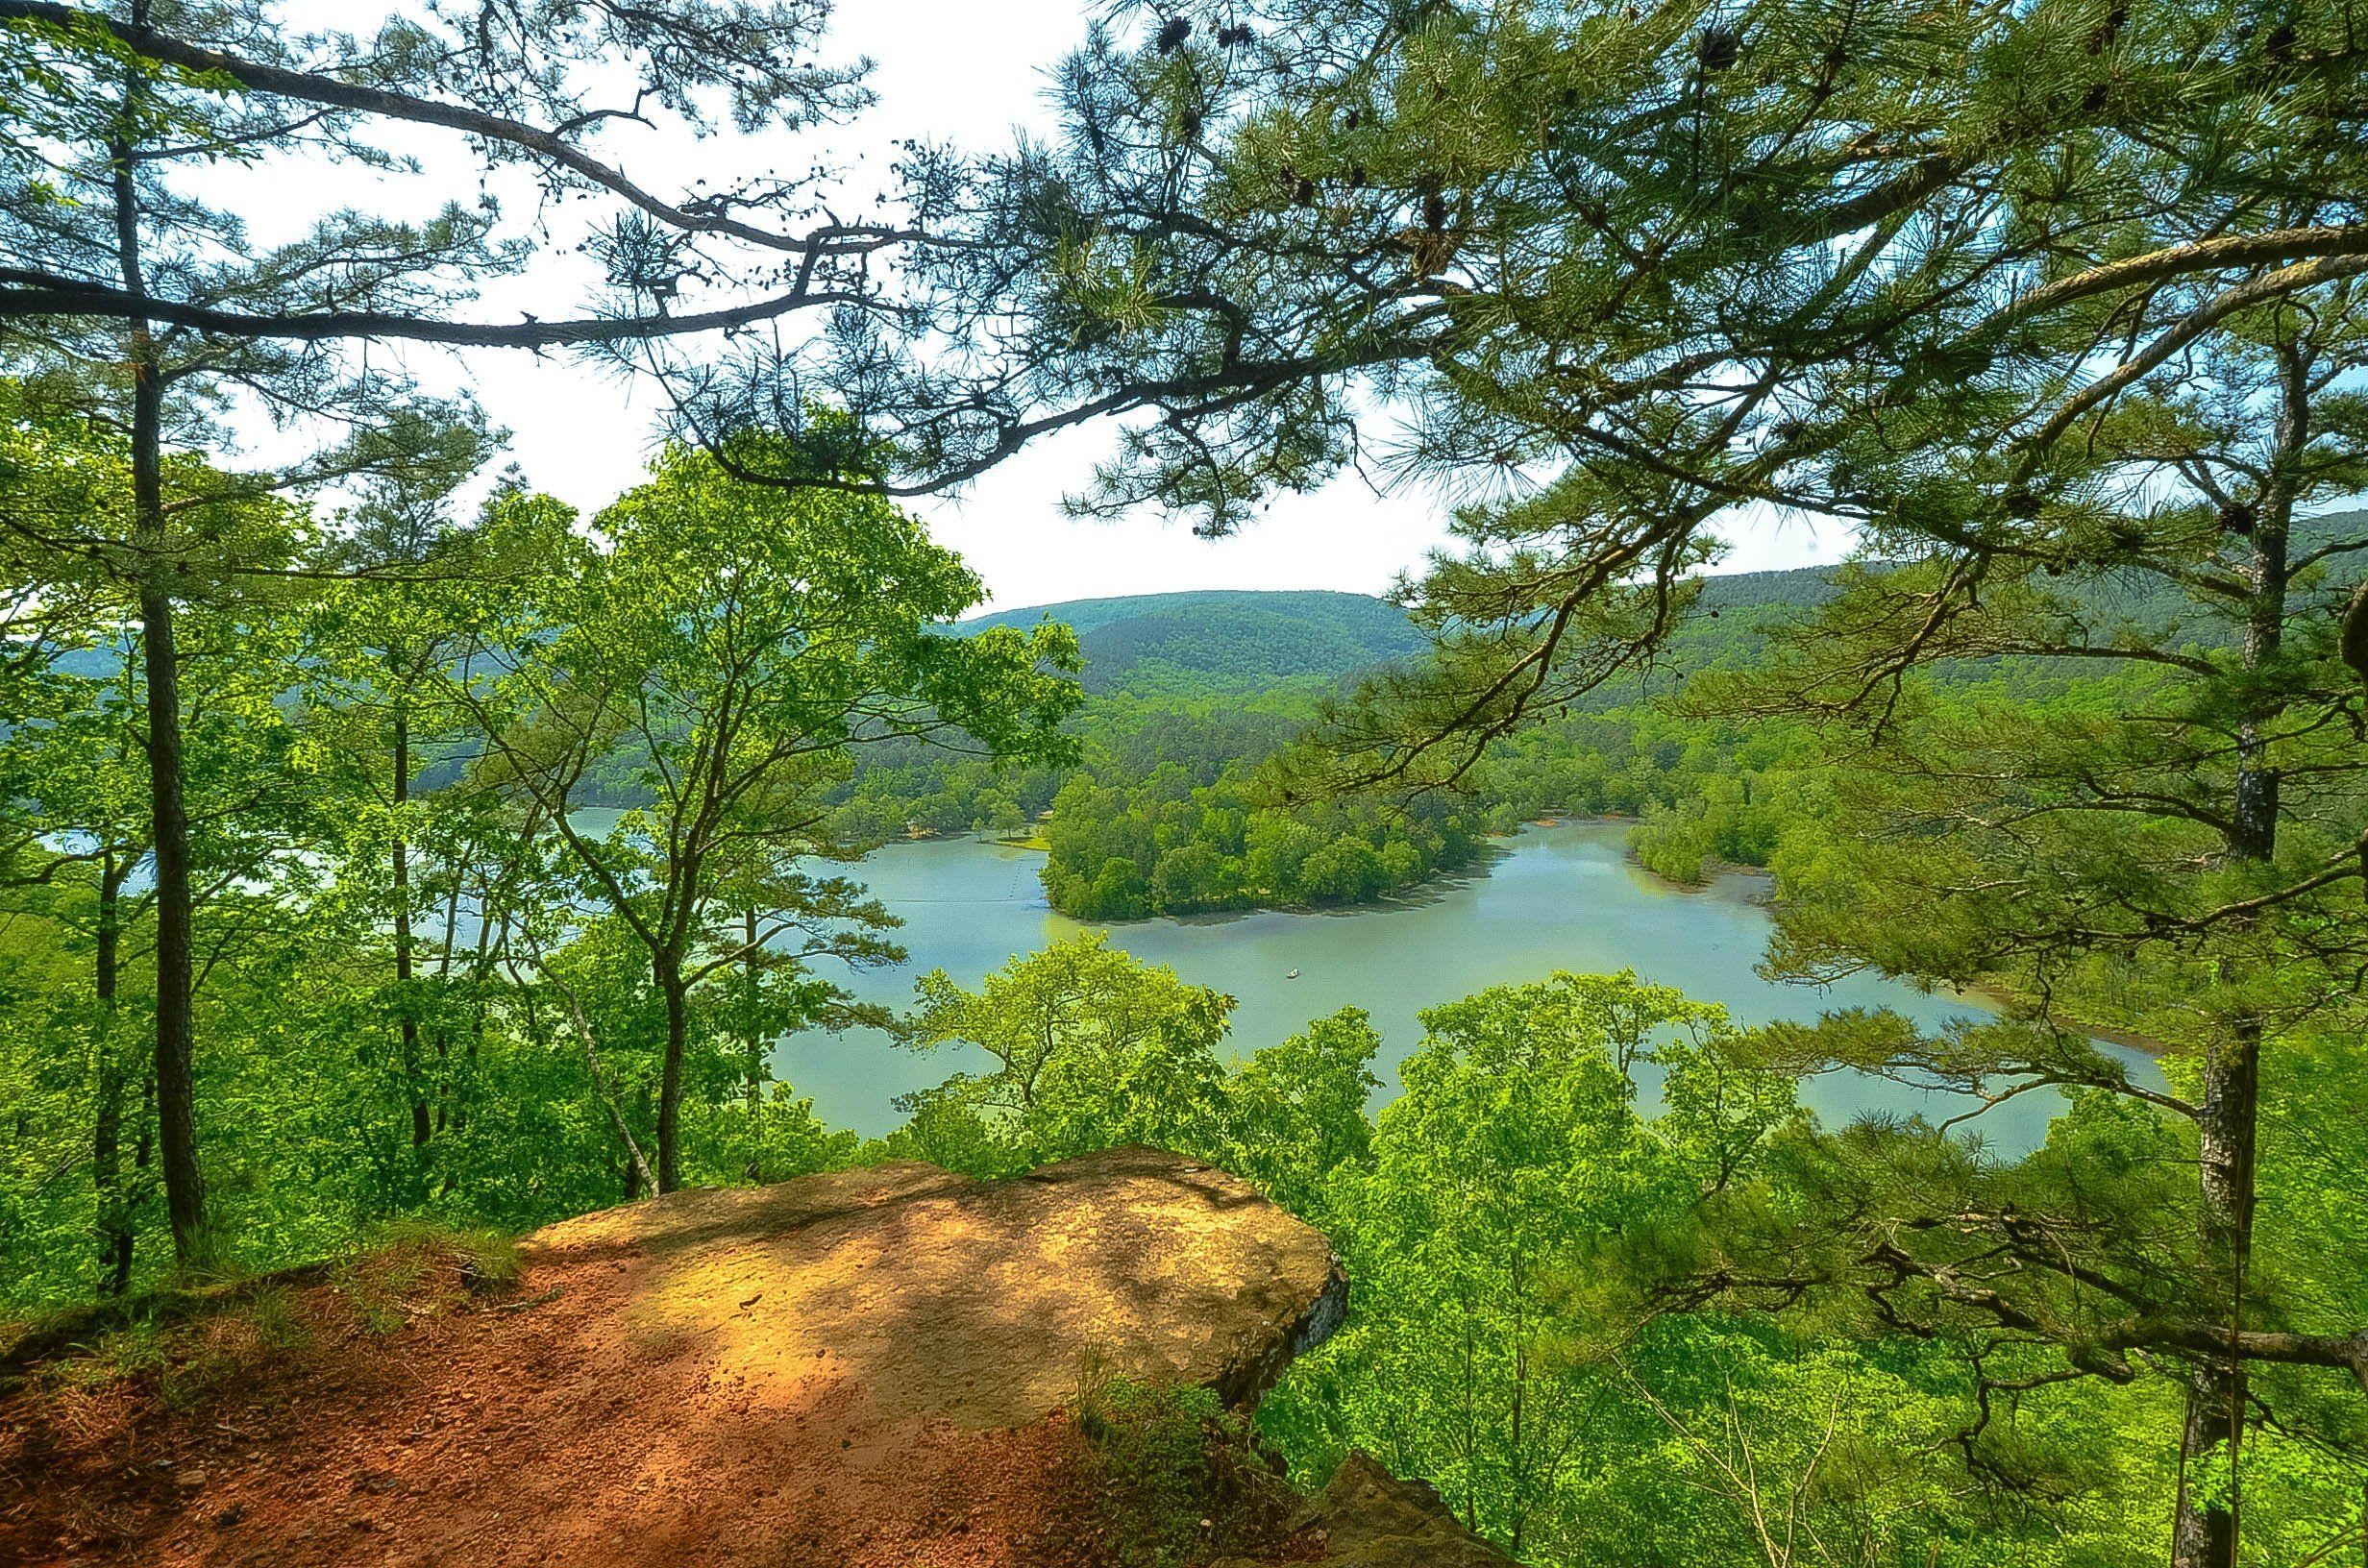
<point>1559,898</point>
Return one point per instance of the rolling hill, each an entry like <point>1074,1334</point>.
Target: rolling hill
<point>1225,640</point>
<point>1247,641</point>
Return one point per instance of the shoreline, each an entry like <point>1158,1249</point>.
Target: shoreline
<point>1412,895</point>
<point>1989,999</point>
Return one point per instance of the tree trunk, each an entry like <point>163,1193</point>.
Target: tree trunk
<point>2205,1534</point>
<point>752,982</point>
<point>481,981</point>
<point>670,1079</point>
<point>176,1029</point>
<point>184,1186</point>
<point>114,1226</point>
<point>636,1168</point>
<point>423,1127</point>
<point>143,1160</point>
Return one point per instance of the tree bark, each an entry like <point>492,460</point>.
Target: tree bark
<point>636,1168</point>
<point>143,1159</point>
<point>752,981</point>
<point>2206,1533</point>
<point>423,1126</point>
<point>670,1079</point>
<point>176,1030</point>
<point>114,1226</point>
<point>176,1024</point>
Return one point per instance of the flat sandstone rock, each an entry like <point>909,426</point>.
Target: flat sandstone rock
<point>980,1302</point>
<point>859,1368</point>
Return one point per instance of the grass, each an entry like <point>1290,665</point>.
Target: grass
<point>418,1269</point>
<point>1181,1479</point>
<point>190,1341</point>
<point>188,1359</point>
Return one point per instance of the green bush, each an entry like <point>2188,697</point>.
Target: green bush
<point>1179,1478</point>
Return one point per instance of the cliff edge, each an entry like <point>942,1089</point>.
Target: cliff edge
<point>870,1366</point>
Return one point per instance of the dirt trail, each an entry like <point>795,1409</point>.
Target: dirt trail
<point>867,1368</point>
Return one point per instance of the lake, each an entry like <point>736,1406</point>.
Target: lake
<point>1564,898</point>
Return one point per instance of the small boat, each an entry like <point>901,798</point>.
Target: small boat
<point>1292,975</point>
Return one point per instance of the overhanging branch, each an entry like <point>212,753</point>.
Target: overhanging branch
<point>309,86</point>
<point>38,294</point>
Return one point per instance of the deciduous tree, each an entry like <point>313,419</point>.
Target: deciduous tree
<point>728,646</point>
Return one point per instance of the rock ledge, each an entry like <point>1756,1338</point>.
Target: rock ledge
<point>981,1302</point>
<point>869,1368</point>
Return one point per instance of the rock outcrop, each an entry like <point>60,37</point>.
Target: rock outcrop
<point>1369,1518</point>
<point>863,1367</point>
<point>980,1304</point>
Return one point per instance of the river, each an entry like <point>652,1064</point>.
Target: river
<point>1564,898</point>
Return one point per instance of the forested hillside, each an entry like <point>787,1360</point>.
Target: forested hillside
<point>1176,806</point>
<point>1226,641</point>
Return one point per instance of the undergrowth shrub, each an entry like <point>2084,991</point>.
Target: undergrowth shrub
<point>193,1339</point>
<point>1180,1479</point>
<point>419,1268</point>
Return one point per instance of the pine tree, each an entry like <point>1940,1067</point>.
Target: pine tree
<point>2029,299</point>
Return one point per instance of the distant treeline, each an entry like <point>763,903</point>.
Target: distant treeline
<point>1170,810</point>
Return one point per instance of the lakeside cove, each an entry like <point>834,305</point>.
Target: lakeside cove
<point>1562,897</point>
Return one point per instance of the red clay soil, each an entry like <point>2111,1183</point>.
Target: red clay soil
<point>864,1368</point>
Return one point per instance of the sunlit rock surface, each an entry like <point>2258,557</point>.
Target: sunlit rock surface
<point>865,1368</point>
<point>1368,1518</point>
<point>976,1303</point>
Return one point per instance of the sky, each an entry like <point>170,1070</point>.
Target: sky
<point>972,72</point>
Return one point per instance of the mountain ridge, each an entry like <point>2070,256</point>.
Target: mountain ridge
<point>1224,640</point>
